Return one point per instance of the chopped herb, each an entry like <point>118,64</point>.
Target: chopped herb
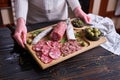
<point>63,40</point>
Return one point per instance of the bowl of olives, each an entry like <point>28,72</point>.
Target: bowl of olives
<point>93,34</point>
<point>77,23</point>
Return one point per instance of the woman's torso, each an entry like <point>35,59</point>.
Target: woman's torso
<point>46,10</point>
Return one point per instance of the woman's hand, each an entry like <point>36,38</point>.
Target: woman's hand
<point>20,32</point>
<point>81,14</point>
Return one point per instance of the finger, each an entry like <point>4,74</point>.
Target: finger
<point>24,37</point>
<point>18,39</point>
<point>87,20</point>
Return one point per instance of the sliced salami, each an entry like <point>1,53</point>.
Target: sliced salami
<point>38,54</point>
<point>37,47</point>
<point>55,53</point>
<point>45,59</point>
<point>46,51</point>
<point>70,47</point>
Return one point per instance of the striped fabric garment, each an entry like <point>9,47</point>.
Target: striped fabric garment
<point>13,10</point>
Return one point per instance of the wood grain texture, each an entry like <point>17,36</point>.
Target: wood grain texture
<point>18,64</point>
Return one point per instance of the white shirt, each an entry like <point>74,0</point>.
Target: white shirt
<point>35,11</point>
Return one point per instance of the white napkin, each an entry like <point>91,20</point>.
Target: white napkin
<point>106,26</point>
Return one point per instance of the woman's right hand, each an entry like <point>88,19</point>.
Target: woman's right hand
<point>20,32</point>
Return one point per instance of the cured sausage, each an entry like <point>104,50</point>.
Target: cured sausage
<point>58,31</point>
<point>41,35</point>
<point>70,31</point>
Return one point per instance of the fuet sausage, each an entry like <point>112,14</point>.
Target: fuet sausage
<point>70,31</point>
<point>41,35</point>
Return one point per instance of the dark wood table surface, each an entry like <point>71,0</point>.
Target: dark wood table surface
<point>17,63</point>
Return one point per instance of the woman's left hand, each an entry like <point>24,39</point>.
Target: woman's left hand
<point>81,14</point>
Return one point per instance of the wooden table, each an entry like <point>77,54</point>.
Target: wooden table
<point>17,63</point>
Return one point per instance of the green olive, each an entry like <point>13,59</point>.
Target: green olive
<point>77,22</point>
<point>91,33</point>
<point>89,30</point>
<point>99,33</point>
<point>34,35</point>
<point>83,43</point>
<point>96,34</point>
<point>95,29</point>
<point>29,41</point>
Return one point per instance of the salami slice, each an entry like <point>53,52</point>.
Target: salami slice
<point>55,53</point>
<point>37,47</point>
<point>45,49</point>
<point>45,59</point>
<point>58,31</point>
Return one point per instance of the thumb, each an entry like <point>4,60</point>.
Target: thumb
<point>87,19</point>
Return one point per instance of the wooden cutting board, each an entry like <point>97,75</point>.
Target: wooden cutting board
<point>91,44</point>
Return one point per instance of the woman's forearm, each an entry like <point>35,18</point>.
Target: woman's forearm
<point>73,4</point>
<point>21,9</point>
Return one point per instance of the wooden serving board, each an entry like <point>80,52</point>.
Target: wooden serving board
<point>91,44</point>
